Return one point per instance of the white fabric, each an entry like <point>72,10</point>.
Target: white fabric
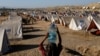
<point>79,24</point>
<point>60,21</point>
<point>13,28</point>
<point>73,25</point>
<point>3,41</point>
<point>90,18</point>
<point>52,19</point>
<point>1,38</point>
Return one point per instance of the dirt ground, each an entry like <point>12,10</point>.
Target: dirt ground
<point>3,18</point>
<point>72,41</point>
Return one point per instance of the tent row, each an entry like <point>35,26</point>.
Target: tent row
<point>90,23</point>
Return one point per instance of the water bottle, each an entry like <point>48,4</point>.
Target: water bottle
<point>52,33</point>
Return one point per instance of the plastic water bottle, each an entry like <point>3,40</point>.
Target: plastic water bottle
<point>52,33</point>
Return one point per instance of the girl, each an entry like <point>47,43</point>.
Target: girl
<point>52,49</point>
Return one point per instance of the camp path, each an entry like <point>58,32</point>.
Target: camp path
<point>34,34</point>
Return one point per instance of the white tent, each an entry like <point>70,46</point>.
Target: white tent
<point>13,27</point>
<point>90,17</point>
<point>4,43</point>
<point>54,18</point>
<point>78,23</point>
<point>60,21</point>
<point>65,20</point>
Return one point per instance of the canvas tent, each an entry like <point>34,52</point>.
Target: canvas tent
<point>4,43</point>
<point>78,23</point>
<point>48,17</point>
<point>94,26</point>
<point>13,27</point>
<point>90,17</point>
<point>54,18</point>
<point>64,20</point>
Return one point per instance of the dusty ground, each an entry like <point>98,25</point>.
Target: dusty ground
<point>71,41</point>
<point>3,18</point>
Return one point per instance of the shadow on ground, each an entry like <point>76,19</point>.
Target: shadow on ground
<point>31,30</point>
<point>28,24</point>
<point>73,52</point>
<point>16,48</point>
<point>31,36</point>
<point>28,28</point>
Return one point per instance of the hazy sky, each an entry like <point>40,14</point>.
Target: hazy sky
<point>42,3</point>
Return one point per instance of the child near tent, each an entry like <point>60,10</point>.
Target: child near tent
<point>52,49</point>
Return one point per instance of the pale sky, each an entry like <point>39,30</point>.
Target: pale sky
<point>42,3</point>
